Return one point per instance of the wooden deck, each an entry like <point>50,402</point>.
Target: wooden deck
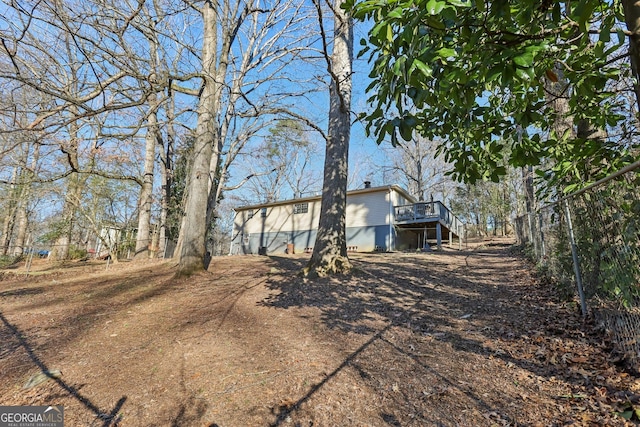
<point>433,217</point>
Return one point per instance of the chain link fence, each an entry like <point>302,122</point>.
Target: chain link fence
<point>588,244</point>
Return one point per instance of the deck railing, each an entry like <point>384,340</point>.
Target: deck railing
<point>417,211</point>
<point>428,211</point>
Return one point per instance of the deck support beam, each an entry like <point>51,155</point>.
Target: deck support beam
<point>439,235</point>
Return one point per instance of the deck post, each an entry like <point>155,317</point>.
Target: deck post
<point>450,238</point>
<point>439,235</point>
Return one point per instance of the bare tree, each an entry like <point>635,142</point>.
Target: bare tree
<point>120,74</point>
<point>21,150</point>
<point>10,205</point>
<point>51,50</point>
<point>152,138</point>
<point>22,214</point>
<point>330,250</point>
<point>245,52</point>
<point>414,166</point>
<point>167,149</point>
<point>194,230</point>
<point>47,45</point>
<point>281,165</point>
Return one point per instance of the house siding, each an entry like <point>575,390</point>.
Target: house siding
<point>276,242</point>
<point>369,224</point>
<point>361,239</point>
<point>365,210</point>
<point>278,218</point>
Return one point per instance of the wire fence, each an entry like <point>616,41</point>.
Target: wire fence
<point>588,244</point>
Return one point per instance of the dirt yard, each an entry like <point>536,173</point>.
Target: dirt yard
<point>452,338</point>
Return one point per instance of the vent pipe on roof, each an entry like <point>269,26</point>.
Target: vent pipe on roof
<point>367,184</point>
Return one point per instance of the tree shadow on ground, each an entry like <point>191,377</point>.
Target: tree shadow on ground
<point>21,292</point>
<point>424,296</point>
<point>108,417</point>
<point>110,297</point>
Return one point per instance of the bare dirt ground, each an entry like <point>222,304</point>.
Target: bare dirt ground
<point>451,338</point>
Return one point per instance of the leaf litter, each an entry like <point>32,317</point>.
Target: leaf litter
<point>450,338</point>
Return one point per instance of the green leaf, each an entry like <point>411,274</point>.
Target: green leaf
<point>524,60</point>
<point>435,23</point>
<point>493,74</point>
<point>446,52</point>
<point>622,37</point>
<point>389,34</point>
<point>434,7</point>
<point>626,414</point>
<point>526,74</point>
<point>460,3</point>
<point>396,13</point>
<point>411,121</point>
<point>504,62</point>
<point>584,11</point>
<point>406,132</point>
<point>375,31</point>
<point>424,68</point>
<point>394,139</point>
<point>570,188</point>
<point>556,13</point>
<point>398,67</point>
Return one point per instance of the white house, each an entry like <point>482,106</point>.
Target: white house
<point>383,218</point>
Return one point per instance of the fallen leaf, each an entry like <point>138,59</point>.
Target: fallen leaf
<point>41,377</point>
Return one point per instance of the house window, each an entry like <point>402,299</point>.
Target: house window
<point>263,212</point>
<point>300,208</point>
<point>249,214</point>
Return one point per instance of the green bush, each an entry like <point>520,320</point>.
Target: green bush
<point>77,253</point>
<point>6,260</point>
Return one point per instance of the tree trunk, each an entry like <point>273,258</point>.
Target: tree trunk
<point>75,185</point>
<point>194,230</point>
<point>73,196</point>
<point>330,249</point>
<point>75,182</point>
<point>10,213</point>
<point>22,217</point>
<point>25,196</point>
<point>632,18</point>
<point>146,192</point>
<point>166,172</point>
<point>420,179</point>
<point>529,193</point>
<point>62,244</point>
<point>7,229</point>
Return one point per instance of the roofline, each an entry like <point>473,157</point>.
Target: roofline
<point>394,187</point>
